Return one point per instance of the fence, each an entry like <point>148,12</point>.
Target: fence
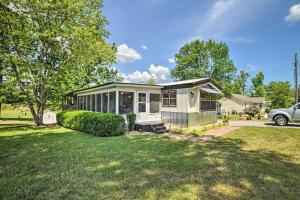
<point>187,120</point>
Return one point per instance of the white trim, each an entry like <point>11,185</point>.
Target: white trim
<point>118,85</point>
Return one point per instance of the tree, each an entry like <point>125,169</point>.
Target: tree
<point>199,59</point>
<point>240,83</point>
<point>280,93</point>
<point>51,47</point>
<point>258,84</point>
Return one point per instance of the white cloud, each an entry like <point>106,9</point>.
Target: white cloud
<point>124,77</point>
<point>139,76</point>
<point>145,47</point>
<point>126,54</point>
<point>171,60</point>
<point>252,68</point>
<point>294,14</point>
<point>159,73</point>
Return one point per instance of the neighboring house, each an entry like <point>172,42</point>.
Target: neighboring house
<point>241,104</point>
<point>183,103</point>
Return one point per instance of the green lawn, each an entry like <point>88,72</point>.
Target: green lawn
<point>57,163</point>
<point>16,114</point>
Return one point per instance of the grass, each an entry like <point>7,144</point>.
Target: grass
<point>15,114</point>
<point>244,118</point>
<point>57,163</point>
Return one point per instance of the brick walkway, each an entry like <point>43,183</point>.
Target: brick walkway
<point>207,136</point>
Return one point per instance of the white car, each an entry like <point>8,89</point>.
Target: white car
<point>283,116</point>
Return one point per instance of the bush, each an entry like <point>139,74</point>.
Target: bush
<point>258,116</point>
<point>249,117</point>
<point>225,120</point>
<point>267,110</point>
<point>98,124</point>
<point>131,117</point>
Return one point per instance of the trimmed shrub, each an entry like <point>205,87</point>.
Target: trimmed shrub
<point>258,116</point>
<point>131,117</point>
<point>226,120</point>
<point>98,124</point>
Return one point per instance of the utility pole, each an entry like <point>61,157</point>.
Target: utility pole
<point>296,79</point>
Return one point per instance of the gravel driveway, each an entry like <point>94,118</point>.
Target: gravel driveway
<point>260,124</point>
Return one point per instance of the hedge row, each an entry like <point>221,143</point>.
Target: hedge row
<point>98,124</point>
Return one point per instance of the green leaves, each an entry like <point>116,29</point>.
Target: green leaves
<point>53,47</point>
<point>258,84</point>
<point>199,59</point>
<point>240,83</point>
<point>280,93</point>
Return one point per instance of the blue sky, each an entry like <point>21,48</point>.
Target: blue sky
<point>262,35</point>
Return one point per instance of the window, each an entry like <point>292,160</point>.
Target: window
<point>104,102</point>
<point>208,102</point>
<point>112,102</point>
<point>169,98</point>
<point>154,103</point>
<point>142,102</point>
<point>126,102</point>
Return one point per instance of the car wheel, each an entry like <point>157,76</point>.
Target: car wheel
<point>281,120</point>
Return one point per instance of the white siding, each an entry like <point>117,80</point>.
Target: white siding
<point>185,101</point>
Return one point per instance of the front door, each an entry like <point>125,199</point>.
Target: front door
<point>141,102</point>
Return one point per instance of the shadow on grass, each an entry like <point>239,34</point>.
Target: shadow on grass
<point>59,163</point>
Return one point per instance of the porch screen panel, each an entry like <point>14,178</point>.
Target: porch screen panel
<point>88,99</point>
<point>93,96</point>
<point>83,102</point>
<point>154,103</point>
<point>80,103</point>
<point>112,102</point>
<point>98,103</point>
<point>208,101</point>
<point>104,102</point>
<point>126,102</point>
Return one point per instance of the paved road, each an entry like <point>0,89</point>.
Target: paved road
<point>260,124</point>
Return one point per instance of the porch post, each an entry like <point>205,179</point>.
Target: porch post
<point>135,100</point>
<point>117,101</point>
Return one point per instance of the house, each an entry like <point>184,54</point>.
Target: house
<point>186,104</point>
<point>241,103</point>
